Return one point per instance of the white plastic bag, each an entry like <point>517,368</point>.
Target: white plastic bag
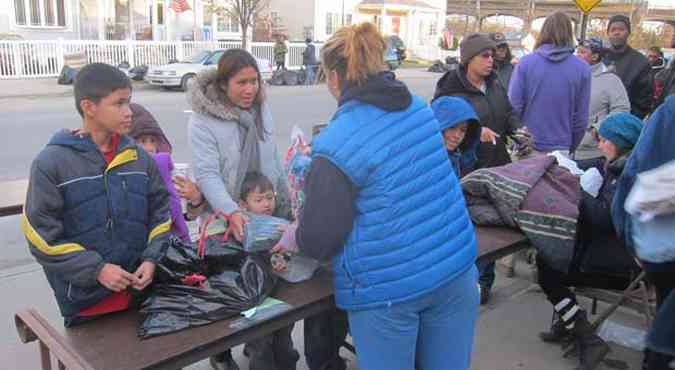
<point>591,181</point>
<point>653,193</point>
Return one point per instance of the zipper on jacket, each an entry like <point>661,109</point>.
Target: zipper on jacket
<point>125,212</point>
<point>110,224</point>
<point>68,294</point>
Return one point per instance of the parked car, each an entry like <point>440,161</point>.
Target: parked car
<point>179,74</point>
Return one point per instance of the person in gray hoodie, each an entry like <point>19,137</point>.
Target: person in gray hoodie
<point>230,135</point>
<point>607,96</point>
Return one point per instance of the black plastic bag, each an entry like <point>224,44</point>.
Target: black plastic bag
<point>138,73</point>
<point>67,76</point>
<point>191,291</point>
<point>291,78</point>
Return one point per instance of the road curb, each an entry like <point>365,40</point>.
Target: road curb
<point>137,86</point>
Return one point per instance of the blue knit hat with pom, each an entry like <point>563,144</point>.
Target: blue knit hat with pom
<point>622,129</point>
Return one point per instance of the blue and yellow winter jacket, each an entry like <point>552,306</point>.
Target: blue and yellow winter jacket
<point>411,231</point>
<point>81,213</point>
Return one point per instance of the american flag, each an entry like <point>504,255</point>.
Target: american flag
<point>179,6</point>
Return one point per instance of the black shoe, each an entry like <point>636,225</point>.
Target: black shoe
<point>223,361</point>
<point>592,349</point>
<point>485,294</point>
<point>558,333</point>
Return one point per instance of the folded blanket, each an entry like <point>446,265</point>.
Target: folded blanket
<point>534,195</point>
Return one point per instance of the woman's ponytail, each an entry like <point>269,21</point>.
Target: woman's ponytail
<point>355,52</point>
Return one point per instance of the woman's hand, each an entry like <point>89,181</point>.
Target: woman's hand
<point>237,222</point>
<point>188,190</point>
<point>488,136</point>
<point>287,242</point>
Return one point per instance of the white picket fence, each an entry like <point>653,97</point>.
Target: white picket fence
<point>36,59</point>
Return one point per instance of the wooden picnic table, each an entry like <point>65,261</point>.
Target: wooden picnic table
<point>12,198</point>
<point>111,342</point>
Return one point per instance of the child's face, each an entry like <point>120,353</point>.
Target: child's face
<point>149,143</point>
<point>608,149</point>
<point>259,203</point>
<point>454,136</point>
<point>111,113</point>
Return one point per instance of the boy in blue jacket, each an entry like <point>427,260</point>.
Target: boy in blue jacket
<point>96,215</point>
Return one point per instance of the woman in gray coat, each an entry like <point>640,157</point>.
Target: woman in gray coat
<point>607,96</point>
<point>230,135</point>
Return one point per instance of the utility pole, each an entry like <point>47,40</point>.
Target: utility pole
<point>584,26</point>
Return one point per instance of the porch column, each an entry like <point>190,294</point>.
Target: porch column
<point>132,25</point>
<point>168,21</point>
<point>101,16</point>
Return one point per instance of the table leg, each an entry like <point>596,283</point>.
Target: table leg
<point>45,357</point>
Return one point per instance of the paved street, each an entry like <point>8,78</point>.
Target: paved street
<point>506,334</point>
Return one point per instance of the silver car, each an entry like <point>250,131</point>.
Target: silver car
<point>178,74</point>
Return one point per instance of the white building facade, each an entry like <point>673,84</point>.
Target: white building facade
<point>419,23</point>
<point>113,20</point>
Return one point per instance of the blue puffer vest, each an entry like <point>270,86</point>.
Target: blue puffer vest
<point>412,232</point>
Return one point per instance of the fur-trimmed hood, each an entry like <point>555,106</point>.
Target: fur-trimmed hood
<point>204,97</point>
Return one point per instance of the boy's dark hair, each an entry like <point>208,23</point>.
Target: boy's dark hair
<point>255,181</point>
<point>96,81</point>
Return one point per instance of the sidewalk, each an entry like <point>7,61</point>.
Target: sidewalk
<point>506,335</point>
<point>46,87</point>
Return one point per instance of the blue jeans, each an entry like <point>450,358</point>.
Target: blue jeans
<point>431,332</point>
<point>309,75</point>
<point>487,274</point>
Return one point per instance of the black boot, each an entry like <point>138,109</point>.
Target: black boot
<point>592,349</point>
<point>558,333</point>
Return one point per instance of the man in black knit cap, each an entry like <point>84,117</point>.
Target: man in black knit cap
<point>630,65</point>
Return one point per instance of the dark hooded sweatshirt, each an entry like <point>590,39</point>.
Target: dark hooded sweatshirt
<point>493,108</point>
<point>635,72</point>
<point>551,93</point>
<point>329,193</point>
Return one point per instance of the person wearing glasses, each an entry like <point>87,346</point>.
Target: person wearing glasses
<point>476,81</point>
<point>551,89</point>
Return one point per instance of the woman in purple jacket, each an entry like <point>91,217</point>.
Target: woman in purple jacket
<point>551,89</point>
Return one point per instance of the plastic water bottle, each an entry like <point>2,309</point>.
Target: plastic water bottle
<point>623,335</point>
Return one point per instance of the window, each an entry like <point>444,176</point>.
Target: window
<point>40,13</point>
<point>330,24</point>
<point>334,22</point>
<point>227,24</point>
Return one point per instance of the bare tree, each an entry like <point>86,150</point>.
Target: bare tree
<point>243,11</point>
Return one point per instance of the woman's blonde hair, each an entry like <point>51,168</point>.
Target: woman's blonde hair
<point>354,52</point>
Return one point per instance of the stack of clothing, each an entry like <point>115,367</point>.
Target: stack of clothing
<point>535,195</point>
